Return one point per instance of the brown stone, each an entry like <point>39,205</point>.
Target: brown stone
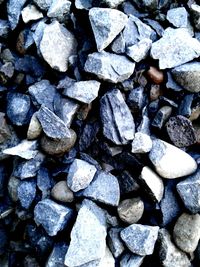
<point>4,129</point>
<point>84,111</point>
<point>20,44</point>
<point>155,92</point>
<point>155,75</point>
<point>62,193</point>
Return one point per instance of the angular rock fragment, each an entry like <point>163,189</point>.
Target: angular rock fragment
<point>181,131</point>
<point>131,260</point>
<point>14,8</point>
<point>106,25</point>
<point>109,67</point>
<point>171,162</point>
<point>170,255</point>
<point>140,239</point>
<point>30,13</point>
<point>52,125</point>
<point>161,117</point>
<point>44,182</point>
<point>80,175</point>
<point>52,216</point>
<point>118,123</point>
<point>104,189</point>
<point>189,191</point>
<point>186,232</point>
<point>178,17</point>
<point>127,183</point>
<point>57,256</point>
<point>83,4</point>
<point>136,99</point>
<point>188,76</point>
<point>88,236</point>
<point>34,129</point>
<point>26,193</point>
<point>84,91</point>
<point>115,243</point>
<point>61,192</point>
<point>59,10</point>
<point>57,45</point>
<point>43,4</point>
<point>4,28</point>
<point>176,47</point>
<point>140,50</point>
<point>141,143</point>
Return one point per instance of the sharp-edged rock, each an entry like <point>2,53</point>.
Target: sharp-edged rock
<point>142,143</point>
<point>26,193</point>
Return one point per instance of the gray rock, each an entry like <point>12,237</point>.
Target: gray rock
<point>140,50</point>
<point>161,117</point>
<point>4,28</point>
<point>43,4</point>
<point>170,255</point>
<point>88,236</point>
<point>83,4</point>
<point>57,56</point>
<point>43,93</point>
<point>38,30</point>
<point>34,129</point>
<point>127,183</point>
<point>131,260</point>
<point>176,47</point>
<point>84,91</point>
<point>136,99</point>
<point>14,8</point>
<point>52,216</point>
<point>7,69</point>
<point>118,123</point>
<point>61,192</point>
<point>178,17</point>
<point>140,239</point>
<point>19,109</point>
<point>171,84</point>
<point>57,256</point>
<point>181,131</point>
<point>106,24</point>
<point>130,210</point>
<point>30,13</point>
<point>58,147</point>
<point>188,76</point>
<point>52,125</point>
<point>189,191</point>
<point>152,184</point>
<point>164,158</point>
<point>80,175</point>
<point>26,149</point>
<point>104,189</point>
<point>109,67</point>
<point>59,10</point>
<point>26,193</point>
<point>195,12</point>
<point>13,184</point>
<point>115,243</point>
<point>148,5</point>
<point>118,46</point>
<point>5,132</point>
<point>141,143</point>
<point>186,232</point>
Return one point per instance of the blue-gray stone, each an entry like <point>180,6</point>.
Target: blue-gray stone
<point>14,8</point>
<point>26,193</point>
<point>43,4</point>
<point>140,239</point>
<point>131,260</point>
<point>19,108</point>
<point>57,256</point>
<point>44,182</point>
<point>3,239</point>
<point>114,242</point>
<point>2,179</point>
<point>4,28</point>
<point>52,216</point>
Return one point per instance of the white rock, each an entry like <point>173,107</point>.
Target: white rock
<point>140,50</point>
<point>141,143</point>
<point>171,162</point>
<point>59,9</point>
<point>30,12</point>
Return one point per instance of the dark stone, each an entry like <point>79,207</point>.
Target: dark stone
<point>2,179</point>
<point>3,239</point>
<point>136,99</point>
<point>181,131</point>
<point>44,182</point>
<point>185,107</point>
<point>26,193</point>
<point>127,183</point>
<point>57,256</point>
<point>88,135</point>
<point>161,117</point>
<point>5,132</point>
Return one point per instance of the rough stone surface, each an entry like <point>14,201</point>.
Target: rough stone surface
<point>140,239</point>
<point>195,11</point>
<point>84,91</point>
<point>188,76</point>
<point>30,12</point>
<point>52,216</point>
<point>81,173</point>
<point>26,193</point>
<point>43,4</point>
<point>171,162</point>
<point>14,8</point>
<point>176,47</point>
<point>57,45</point>
<point>106,24</point>
<point>131,260</point>
<point>114,241</point>
<point>131,210</point>
<point>140,50</point>
<point>62,193</point>
<point>109,67</point>
<point>88,234</point>
<point>170,255</point>
<point>181,131</point>
<point>59,10</point>
<point>152,183</point>
<point>118,123</point>
<point>141,143</point>
<point>186,232</point>
<point>52,125</point>
<point>57,256</point>
<point>189,191</point>
<point>104,189</point>
<point>178,17</point>
<point>161,117</point>
<point>44,182</point>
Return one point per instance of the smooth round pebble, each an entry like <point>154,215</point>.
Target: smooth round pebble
<point>62,193</point>
<point>34,129</point>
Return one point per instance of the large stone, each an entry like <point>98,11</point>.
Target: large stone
<point>109,67</point>
<point>84,91</point>
<point>171,162</point>
<point>140,239</point>
<point>14,8</point>
<point>106,24</point>
<point>176,47</point>
<point>80,175</point>
<point>52,216</point>
<point>57,45</point>
<point>189,191</point>
<point>170,255</point>
<point>188,76</point>
<point>104,189</point>
<point>118,123</point>
<point>186,232</point>
<point>26,193</point>
<point>88,236</point>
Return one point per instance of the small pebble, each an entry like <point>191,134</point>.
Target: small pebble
<point>62,193</point>
<point>155,75</point>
